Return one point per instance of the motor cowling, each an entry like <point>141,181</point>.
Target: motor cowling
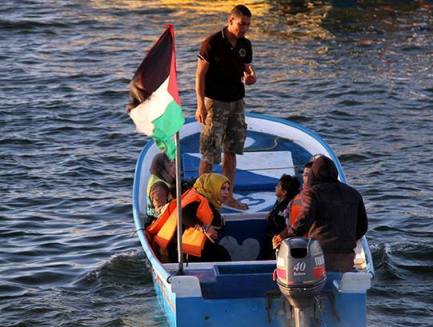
<point>300,272</point>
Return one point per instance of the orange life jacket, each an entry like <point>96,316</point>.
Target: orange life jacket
<point>295,209</point>
<point>163,229</point>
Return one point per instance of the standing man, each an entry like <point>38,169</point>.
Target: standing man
<point>223,67</point>
<point>332,213</point>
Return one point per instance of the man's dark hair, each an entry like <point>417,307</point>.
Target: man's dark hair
<point>241,10</point>
<point>308,164</point>
<point>290,185</point>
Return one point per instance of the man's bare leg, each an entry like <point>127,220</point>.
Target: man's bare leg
<point>229,170</point>
<point>204,168</point>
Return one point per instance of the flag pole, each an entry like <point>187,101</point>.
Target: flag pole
<point>179,207</point>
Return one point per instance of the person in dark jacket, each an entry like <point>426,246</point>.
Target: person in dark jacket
<point>332,213</point>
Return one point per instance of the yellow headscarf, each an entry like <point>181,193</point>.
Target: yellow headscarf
<point>209,185</point>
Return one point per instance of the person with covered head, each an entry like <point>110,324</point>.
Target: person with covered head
<point>201,220</point>
<point>331,212</point>
<point>160,186</point>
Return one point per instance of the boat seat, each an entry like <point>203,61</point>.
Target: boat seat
<point>240,281</point>
<point>225,279</point>
<point>243,238</point>
<point>255,170</point>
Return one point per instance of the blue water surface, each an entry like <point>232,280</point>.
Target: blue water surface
<point>359,74</point>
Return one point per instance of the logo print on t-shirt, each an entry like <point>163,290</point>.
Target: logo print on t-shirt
<point>242,52</point>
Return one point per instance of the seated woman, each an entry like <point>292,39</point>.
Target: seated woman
<point>285,191</point>
<point>160,186</point>
<point>201,221</point>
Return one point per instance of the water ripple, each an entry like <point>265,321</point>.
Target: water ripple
<point>359,75</point>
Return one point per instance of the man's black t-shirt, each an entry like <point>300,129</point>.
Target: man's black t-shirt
<point>226,66</point>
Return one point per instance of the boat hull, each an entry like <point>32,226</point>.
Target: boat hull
<point>242,291</point>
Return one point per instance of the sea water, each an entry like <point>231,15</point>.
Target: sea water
<point>359,74</point>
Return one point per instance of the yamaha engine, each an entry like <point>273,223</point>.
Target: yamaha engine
<point>301,275</point>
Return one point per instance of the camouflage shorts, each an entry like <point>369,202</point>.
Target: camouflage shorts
<point>225,129</point>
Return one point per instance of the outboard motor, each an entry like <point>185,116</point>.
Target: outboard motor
<point>301,275</point>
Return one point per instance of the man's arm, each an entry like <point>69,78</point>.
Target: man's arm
<point>249,74</point>
<point>307,215</point>
<point>362,222</point>
<point>303,223</point>
<point>201,112</point>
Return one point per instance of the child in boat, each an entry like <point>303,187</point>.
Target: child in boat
<point>201,219</point>
<point>293,210</point>
<point>160,195</point>
<point>160,186</point>
<point>285,191</point>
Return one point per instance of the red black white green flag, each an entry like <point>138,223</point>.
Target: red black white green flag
<point>155,103</point>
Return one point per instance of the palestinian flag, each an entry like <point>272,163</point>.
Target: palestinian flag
<point>155,103</point>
